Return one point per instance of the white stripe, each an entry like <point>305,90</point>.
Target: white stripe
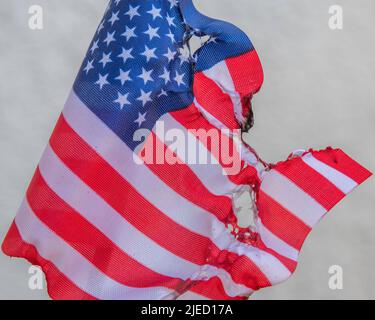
<point>74,266</point>
<point>340,180</point>
<point>220,74</point>
<point>178,208</point>
<point>275,243</point>
<point>292,198</point>
<point>118,230</point>
<point>100,214</point>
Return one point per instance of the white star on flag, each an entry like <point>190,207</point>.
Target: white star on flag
<point>170,35</point>
<point>89,66</point>
<point>179,78</point>
<point>173,3</point>
<point>146,75</point>
<point>101,26</point>
<point>163,93</point>
<point>166,75</point>
<point>110,38</point>
<point>126,54</point>
<point>105,59</point>
<point>94,46</point>
<point>212,39</point>
<point>114,17</point>
<point>152,32</point>
<point>102,81</point>
<point>129,33</point>
<point>144,97</point>
<point>155,12</point>
<point>133,11</point>
<point>170,55</point>
<point>149,53</point>
<point>170,21</point>
<point>122,100</point>
<point>124,76</point>
<point>141,118</point>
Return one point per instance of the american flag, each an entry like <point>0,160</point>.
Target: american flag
<point>103,226</point>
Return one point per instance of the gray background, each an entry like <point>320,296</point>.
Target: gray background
<point>318,91</point>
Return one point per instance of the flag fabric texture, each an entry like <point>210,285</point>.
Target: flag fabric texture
<point>102,224</point>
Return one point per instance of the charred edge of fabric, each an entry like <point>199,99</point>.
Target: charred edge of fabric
<point>249,118</point>
<point>246,234</point>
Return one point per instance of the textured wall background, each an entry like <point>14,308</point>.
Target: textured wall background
<point>318,91</point>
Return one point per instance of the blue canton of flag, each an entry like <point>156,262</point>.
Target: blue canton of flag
<point>137,67</point>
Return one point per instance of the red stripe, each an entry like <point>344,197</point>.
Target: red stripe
<point>213,289</point>
<point>313,183</point>
<point>340,161</point>
<point>59,286</point>
<point>246,72</point>
<point>191,119</point>
<point>75,230</point>
<point>211,97</point>
<point>281,222</point>
<point>102,178</point>
<point>184,181</point>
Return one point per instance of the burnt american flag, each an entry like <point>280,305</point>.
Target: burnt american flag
<point>105,224</point>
